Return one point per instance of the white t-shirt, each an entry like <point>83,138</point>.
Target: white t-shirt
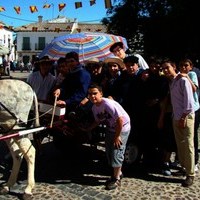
<point>108,112</point>
<point>141,62</point>
<point>40,85</point>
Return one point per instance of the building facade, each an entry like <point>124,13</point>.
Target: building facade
<point>7,48</point>
<point>32,38</point>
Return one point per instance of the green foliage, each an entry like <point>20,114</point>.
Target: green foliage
<point>168,27</point>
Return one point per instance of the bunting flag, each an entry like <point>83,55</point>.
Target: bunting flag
<point>61,6</point>
<point>108,4</point>
<point>92,2</point>
<point>33,9</point>
<point>46,5</point>
<point>2,9</point>
<point>78,5</point>
<point>17,9</point>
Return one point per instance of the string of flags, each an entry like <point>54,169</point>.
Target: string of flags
<point>61,6</point>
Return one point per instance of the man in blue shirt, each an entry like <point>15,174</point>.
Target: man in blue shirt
<point>74,88</point>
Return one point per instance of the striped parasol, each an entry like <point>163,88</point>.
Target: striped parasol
<point>86,44</point>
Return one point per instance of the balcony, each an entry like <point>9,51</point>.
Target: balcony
<point>39,47</point>
<point>26,47</point>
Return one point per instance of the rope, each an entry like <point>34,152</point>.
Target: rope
<point>18,123</point>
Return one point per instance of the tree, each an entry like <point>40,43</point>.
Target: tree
<point>169,27</point>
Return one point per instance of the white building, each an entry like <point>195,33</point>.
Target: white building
<point>7,49</point>
<point>33,38</point>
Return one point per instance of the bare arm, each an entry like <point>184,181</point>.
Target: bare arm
<point>119,125</point>
<point>194,87</point>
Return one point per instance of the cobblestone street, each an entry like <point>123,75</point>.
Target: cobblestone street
<point>80,173</point>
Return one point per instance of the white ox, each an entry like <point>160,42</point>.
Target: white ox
<point>17,97</point>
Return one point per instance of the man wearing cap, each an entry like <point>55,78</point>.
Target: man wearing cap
<point>42,81</point>
<point>118,50</point>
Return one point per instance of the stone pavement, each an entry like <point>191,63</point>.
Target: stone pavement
<point>80,173</point>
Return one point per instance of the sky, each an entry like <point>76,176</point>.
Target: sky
<point>87,13</point>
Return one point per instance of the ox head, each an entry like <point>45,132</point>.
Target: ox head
<point>17,97</point>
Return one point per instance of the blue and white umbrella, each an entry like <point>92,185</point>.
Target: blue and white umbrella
<point>86,44</point>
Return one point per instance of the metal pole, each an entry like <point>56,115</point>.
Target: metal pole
<point>21,133</point>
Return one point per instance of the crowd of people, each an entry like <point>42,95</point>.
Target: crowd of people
<point>156,99</point>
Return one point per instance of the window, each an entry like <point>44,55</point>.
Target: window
<point>41,43</point>
<point>26,43</point>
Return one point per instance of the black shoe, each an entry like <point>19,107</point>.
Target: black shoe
<point>166,170</point>
<point>113,184</point>
<point>180,172</point>
<point>111,179</point>
<point>188,181</point>
<point>4,191</point>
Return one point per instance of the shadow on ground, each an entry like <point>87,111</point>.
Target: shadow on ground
<point>79,164</point>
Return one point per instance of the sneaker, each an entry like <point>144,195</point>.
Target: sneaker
<point>166,170</point>
<point>196,168</point>
<point>188,181</point>
<point>113,184</point>
<point>113,178</point>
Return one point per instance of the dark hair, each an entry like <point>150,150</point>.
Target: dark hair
<point>73,55</point>
<point>171,62</point>
<point>186,60</point>
<point>120,44</point>
<point>131,59</point>
<point>94,85</point>
<point>61,60</point>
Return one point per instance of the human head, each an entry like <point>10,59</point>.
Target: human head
<point>115,65</point>
<point>116,60</point>
<point>118,50</point>
<point>131,63</point>
<point>154,64</point>
<point>185,65</point>
<point>45,65</point>
<point>73,55</point>
<point>62,66</point>
<point>93,65</point>
<point>169,68</point>
<point>72,59</point>
<point>95,93</point>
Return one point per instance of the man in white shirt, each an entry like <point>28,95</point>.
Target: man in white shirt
<point>42,81</point>
<point>118,50</point>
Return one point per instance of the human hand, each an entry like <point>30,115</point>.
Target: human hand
<point>56,93</point>
<point>180,75</point>
<point>60,102</point>
<point>182,123</point>
<point>117,142</point>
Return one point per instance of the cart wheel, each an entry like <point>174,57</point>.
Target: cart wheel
<point>132,154</point>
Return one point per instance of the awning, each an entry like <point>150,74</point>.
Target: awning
<point>3,50</point>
